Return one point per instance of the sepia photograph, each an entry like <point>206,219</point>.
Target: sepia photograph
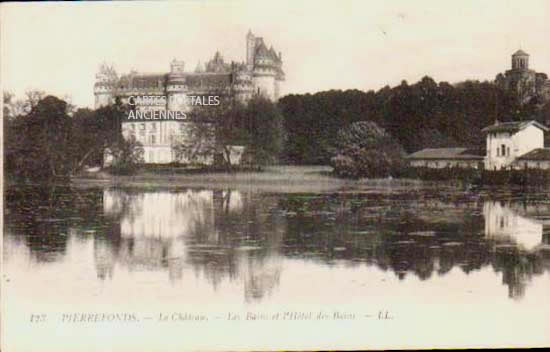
<point>238,175</point>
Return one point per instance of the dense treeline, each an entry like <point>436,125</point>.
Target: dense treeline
<point>50,139</point>
<point>47,138</point>
<point>424,114</point>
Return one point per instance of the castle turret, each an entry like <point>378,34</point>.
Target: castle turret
<point>177,67</point>
<point>265,71</point>
<point>103,93</point>
<point>176,90</point>
<point>199,68</point>
<point>106,85</point>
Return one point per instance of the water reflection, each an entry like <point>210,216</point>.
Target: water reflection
<point>519,242</point>
<point>254,239</point>
<point>218,233</point>
<point>504,224</point>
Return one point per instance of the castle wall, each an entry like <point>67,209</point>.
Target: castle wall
<point>157,139</point>
<point>277,93</point>
<point>102,98</point>
<point>265,85</point>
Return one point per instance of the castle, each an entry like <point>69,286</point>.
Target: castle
<point>526,83</point>
<point>261,74</point>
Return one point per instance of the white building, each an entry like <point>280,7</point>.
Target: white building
<point>508,141</point>
<point>517,145</point>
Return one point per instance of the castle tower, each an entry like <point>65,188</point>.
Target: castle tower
<point>242,82</point>
<point>265,71</point>
<point>520,60</point>
<point>103,93</point>
<point>177,67</point>
<point>250,49</point>
<point>176,88</point>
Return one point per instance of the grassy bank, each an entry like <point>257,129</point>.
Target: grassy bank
<point>270,179</point>
<point>519,178</point>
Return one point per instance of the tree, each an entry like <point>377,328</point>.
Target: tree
<point>93,132</point>
<point>32,98</point>
<point>198,143</point>
<point>266,134</point>
<point>214,130</point>
<point>37,143</point>
<point>420,115</point>
<point>210,131</point>
<point>363,149</point>
<point>15,107</point>
<point>312,121</point>
<point>126,156</point>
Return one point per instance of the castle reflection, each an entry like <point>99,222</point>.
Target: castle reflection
<point>246,237</point>
<point>218,233</point>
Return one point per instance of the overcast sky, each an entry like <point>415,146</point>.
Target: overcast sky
<point>58,47</point>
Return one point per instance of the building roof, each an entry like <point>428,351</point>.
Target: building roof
<point>207,79</point>
<point>147,80</point>
<point>193,80</point>
<point>513,127</point>
<point>261,50</point>
<point>536,154</point>
<point>447,154</point>
<point>520,53</point>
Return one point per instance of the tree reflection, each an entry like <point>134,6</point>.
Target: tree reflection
<point>419,236</point>
<point>243,237</point>
<point>44,216</point>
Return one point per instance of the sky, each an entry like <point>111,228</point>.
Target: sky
<point>58,47</point>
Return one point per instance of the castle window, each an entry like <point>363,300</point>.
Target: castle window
<point>498,152</point>
<point>503,150</point>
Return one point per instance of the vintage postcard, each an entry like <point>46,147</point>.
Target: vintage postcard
<point>275,175</point>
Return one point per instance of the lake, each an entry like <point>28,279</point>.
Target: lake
<point>371,267</point>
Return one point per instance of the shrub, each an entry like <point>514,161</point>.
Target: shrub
<point>363,149</point>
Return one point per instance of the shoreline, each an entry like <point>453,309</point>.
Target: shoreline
<point>286,179</point>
